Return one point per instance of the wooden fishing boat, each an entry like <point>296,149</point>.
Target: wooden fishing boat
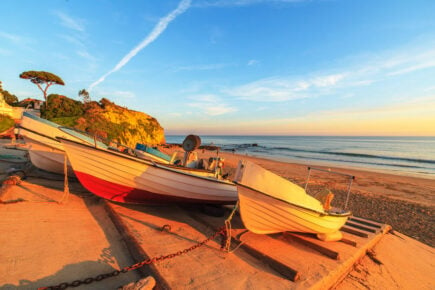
<point>272,204</point>
<point>125,178</point>
<point>47,153</point>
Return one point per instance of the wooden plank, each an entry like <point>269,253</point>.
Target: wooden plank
<point>315,245</point>
<point>364,228</point>
<point>236,235</point>
<point>354,232</point>
<point>136,251</point>
<point>349,242</point>
<point>366,222</point>
<point>284,270</point>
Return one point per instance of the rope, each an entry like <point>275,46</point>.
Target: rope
<point>228,229</point>
<point>65,183</point>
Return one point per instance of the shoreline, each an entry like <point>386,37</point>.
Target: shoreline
<point>349,166</point>
<point>406,203</point>
<point>402,155</point>
<point>367,181</point>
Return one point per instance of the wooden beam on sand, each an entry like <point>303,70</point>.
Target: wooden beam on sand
<point>366,222</point>
<point>354,232</point>
<point>349,242</point>
<point>313,244</point>
<point>364,228</point>
<point>284,270</point>
<point>133,246</point>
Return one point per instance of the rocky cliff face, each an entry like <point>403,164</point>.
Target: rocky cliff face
<point>114,122</point>
<point>139,127</point>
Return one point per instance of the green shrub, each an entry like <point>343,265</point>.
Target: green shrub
<point>66,121</point>
<point>59,106</point>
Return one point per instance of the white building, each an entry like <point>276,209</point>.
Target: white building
<point>5,109</point>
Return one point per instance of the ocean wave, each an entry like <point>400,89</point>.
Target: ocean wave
<point>358,155</point>
<point>362,162</point>
<point>257,148</point>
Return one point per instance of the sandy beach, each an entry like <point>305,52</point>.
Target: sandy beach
<point>375,196</point>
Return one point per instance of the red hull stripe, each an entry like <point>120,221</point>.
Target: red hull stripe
<point>122,193</point>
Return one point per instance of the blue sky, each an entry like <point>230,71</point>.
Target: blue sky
<point>327,67</point>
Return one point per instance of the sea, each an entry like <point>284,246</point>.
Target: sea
<point>414,156</point>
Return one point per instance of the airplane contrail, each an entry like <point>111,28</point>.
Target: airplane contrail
<point>158,29</point>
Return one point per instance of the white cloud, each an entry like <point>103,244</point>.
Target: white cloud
<point>327,81</point>
<point>365,72</point>
<point>116,94</point>
<point>212,109</point>
<point>82,50</point>
<point>86,55</point>
<point>210,105</point>
<point>11,37</point>
<point>391,119</point>
<point>27,94</point>
<point>19,40</point>
<point>176,115</point>
<point>5,52</point>
<point>205,98</point>
<point>72,40</point>
<point>405,60</point>
<point>429,89</point>
<point>202,67</point>
<point>413,68</point>
<point>418,105</point>
<point>253,62</point>
<point>231,3</point>
<point>69,22</point>
<point>158,29</point>
<point>280,89</point>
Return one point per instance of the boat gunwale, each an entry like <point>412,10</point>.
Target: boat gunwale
<point>37,133</point>
<point>42,120</point>
<point>326,213</point>
<point>40,142</point>
<point>167,167</point>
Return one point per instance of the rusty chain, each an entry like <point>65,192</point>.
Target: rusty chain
<point>100,277</point>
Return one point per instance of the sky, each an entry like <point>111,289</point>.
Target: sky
<point>235,67</point>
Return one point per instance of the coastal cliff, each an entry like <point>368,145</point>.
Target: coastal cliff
<point>105,119</point>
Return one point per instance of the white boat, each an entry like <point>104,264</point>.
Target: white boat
<point>46,152</point>
<point>124,178</point>
<point>271,204</point>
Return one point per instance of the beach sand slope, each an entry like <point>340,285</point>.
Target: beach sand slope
<point>398,262</point>
<point>45,243</point>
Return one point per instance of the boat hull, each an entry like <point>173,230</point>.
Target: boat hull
<point>47,157</point>
<point>262,214</point>
<point>123,178</point>
<point>45,151</point>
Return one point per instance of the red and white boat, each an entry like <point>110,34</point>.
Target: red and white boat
<point>124,178</point>
<point>47,153</point>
